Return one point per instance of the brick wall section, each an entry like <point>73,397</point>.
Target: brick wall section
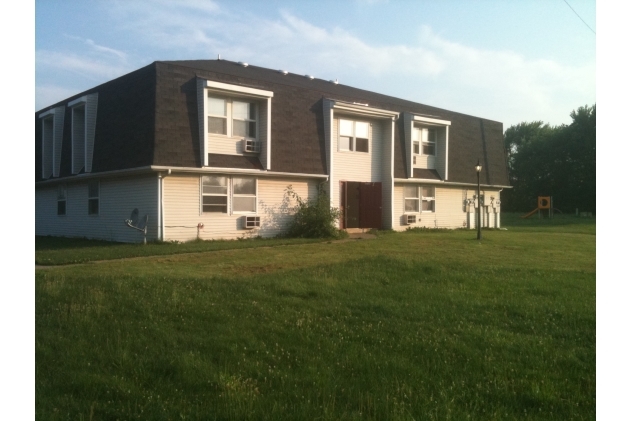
<point>124,134</point>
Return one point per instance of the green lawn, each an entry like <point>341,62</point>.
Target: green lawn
<point>414,325</point>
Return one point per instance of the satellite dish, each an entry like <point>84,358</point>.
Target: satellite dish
<point>134,217</point>
<point>133,222</point>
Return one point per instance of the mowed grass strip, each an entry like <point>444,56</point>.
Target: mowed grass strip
<point>406,326</point>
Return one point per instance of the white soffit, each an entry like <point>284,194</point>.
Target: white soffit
<point>363,110</point>
<point>244,90</point>
<point>78,101</point>
<point>47,113</point>
<point>432,120</point>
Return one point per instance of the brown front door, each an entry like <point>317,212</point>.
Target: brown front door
<point>361,205</point>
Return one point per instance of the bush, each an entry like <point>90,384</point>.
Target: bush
<point>314,218</point>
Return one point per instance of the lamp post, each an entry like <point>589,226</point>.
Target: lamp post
<point>478,168</point>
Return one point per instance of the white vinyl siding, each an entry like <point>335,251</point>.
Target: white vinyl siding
<point>449,208</point>
<point>117,199</point>
<point>182,209</point>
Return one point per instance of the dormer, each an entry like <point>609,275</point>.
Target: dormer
<point>83,125</point>
<point>426,144</point>
<point>52,134</point>
<point>234,120</point>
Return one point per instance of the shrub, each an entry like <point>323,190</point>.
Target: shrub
<point>314,218</point>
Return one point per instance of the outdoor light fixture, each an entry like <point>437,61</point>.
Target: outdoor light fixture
<point>478,168</point>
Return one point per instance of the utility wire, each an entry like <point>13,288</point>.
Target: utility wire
<point>579,16</point>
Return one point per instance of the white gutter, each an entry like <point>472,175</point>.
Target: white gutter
<point>158,168</point>
<point>447,183</point>
<point>216,170</point>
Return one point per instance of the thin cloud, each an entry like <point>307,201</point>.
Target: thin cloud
<point>499,85</point>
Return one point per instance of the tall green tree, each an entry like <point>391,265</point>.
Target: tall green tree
<point>553,161</point>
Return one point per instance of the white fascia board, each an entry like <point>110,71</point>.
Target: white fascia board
<point>244,90</point>
<point>446,183</point>
<point>78,101</point>
<point>47,113</point>
<point>364,110</point>
<point>216,170</point>
<point>432,120</point>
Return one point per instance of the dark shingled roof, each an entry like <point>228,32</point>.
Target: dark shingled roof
<point>149,117</point>
<point>234,161</point>
<point>425,173</point>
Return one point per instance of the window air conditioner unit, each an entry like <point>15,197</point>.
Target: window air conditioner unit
<point>251,222</point>
<point>251,145</point>
<point>409,219</point>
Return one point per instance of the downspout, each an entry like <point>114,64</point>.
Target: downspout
<point>161,227</point>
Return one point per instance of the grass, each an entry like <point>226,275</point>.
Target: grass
<point>406,326</point>
<point>64,251</point>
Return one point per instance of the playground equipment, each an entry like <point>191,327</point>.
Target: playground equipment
<point>543,202</point>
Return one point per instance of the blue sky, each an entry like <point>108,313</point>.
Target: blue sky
<point>509,61</point>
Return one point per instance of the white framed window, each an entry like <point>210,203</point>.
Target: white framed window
<point>418,198</point>
<point>353,136</point>
<point>232,117</point>
<point>61,199</point>
<point>93,197</point>
<point>411,198</point>
<point>221,194</point>
<point>214,194</point>
<point>83,127</point>
<point>48,126</point>
<point>428,199</point>
<point>424,141</point>
<point>243,195</point>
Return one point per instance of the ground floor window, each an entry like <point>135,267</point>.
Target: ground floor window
<point>61,200</point>
<point>220,193</point>
<point>419,198</point>
<point>93,197</point>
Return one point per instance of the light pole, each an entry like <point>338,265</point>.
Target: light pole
<point>478,168</point>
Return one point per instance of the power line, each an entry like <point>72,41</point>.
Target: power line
<point>579,16</point>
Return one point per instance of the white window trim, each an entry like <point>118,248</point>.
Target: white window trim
<point>417,199</point>
<point>98,184</point>
<point>207,86</point>
<point>420,198</point>
<point>230,119</point>
<point>65,199</point>
<point>229,197</point>
<point>202,194</point>
<point>353,138</point>
<point>428,121</point>
<point>256,197</point>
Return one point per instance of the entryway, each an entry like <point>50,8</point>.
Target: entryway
<point>360,204</point>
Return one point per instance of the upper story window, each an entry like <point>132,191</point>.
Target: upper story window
<point>52,134</point>
<point>424,139</point>
<point>220,193</point>
<point>353,136</point>
<point>83,119</point>
<point>234,120</point>
<point>232,117</point>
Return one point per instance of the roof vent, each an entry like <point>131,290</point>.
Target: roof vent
<point>244,64</point>
<point>283,72</point>
<point>218,56</point>
<point>309,76</point>
<point>334,81</point>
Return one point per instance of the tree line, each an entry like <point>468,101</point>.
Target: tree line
<point>555,161</point>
